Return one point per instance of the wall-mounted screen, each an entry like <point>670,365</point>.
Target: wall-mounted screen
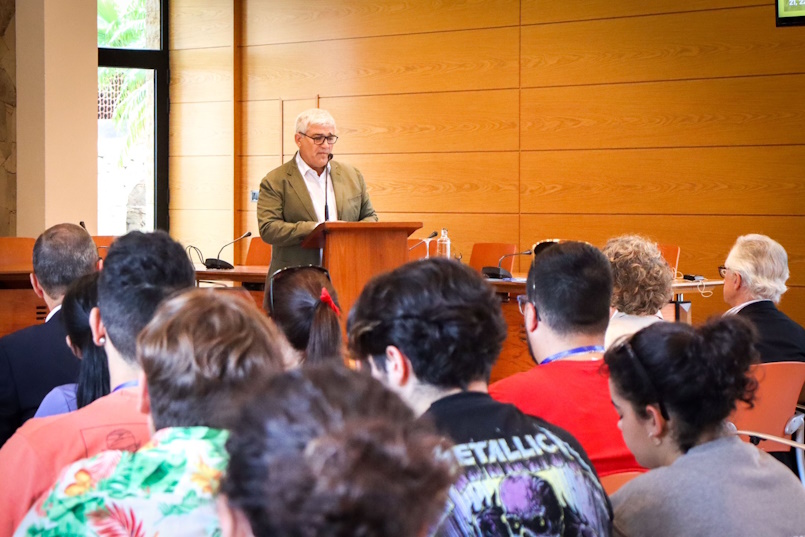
<point>790,12</point>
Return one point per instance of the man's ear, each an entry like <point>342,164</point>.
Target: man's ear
<point>144,401</point>
<point>398,367</point>
<point>233,521</point>
<point>37,286</point>
<point>298,139</point>
<point>97,327</point>
<point>530,318</point>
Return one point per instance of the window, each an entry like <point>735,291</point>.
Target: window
<point>132,115</point>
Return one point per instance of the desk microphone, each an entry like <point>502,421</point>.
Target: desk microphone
<point>431,236</point>
<point>326,206</point>
<point>216,263</point>
<point>498,272</point>
<point>82,224</point>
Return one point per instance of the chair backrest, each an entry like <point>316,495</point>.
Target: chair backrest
<point>487,254</point>
<point>613,482</point>
<point>779,386</point>
<point>259,252</point>
<point>416,248</point>
<point>671,254</point>
<point>103,242</point>
<point>16,250</point>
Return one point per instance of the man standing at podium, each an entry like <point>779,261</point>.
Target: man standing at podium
<point>307,190</point>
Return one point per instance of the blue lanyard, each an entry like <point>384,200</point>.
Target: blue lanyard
<point>571,352</point>
<point>127,384</point>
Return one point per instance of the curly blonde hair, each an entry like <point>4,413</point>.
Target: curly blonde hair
<point>641,276</point>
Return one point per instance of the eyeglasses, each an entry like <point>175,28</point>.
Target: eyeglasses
<point>287,271</point>
<point>722,271</point>
<point>319,139</point>
<point>522,300</point>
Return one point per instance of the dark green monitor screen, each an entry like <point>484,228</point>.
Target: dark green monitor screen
<point>790,12</point>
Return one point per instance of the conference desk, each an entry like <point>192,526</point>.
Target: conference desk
<point>514,357</point>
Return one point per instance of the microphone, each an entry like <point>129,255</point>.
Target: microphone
<point>326,206</point>
<point>429,237</point>
<point>82,224</point>
<point>498,272</point>
<point>216,263</point>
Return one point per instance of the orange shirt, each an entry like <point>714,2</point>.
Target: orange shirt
<point>34,456</point>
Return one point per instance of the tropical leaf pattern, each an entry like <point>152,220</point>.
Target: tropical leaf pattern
<point>165,488</point>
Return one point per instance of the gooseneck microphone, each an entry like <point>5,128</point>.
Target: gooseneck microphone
<point>498,272</point>
<point>326,206</point>
<point>217,263</point>
<point>429,237</point>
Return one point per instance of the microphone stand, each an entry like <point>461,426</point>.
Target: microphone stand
<point>498,272</point>
<point>427,241</point>
<point>217,263</point>
<point>326,175</point>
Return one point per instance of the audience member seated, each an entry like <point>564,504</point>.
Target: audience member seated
<point>323,451</point>
<point>139,272</point>
<point>569,290</point>
<point>431,331</point>
<point>641,285</point>
<point>673,387</point>
<point>754,275</point>
<point>303,304</point>
<point>36,359</point>
<point>201,349</point>
<point>93,376</point>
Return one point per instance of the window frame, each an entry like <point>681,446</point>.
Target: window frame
<point>159,62</point>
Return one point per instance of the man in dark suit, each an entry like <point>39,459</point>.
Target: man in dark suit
<point>292,197</point>
<point>754,275</point>
<point>36,359</point>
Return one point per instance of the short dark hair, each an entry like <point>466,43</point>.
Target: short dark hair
<point>93,375</point>
<point>441,314</point>
<point>62,254</point>
<point>697,374</point>
<point>570,285</point>
<point>310,323</point>
<point>201,349</point>
<point>325,451</point>
<point>139,272</point>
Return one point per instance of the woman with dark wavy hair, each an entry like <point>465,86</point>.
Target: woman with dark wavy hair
<point>674,386</point>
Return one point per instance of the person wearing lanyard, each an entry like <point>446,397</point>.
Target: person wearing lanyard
<point>566,312</point>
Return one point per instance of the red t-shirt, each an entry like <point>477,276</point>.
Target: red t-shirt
<point>573,395</point>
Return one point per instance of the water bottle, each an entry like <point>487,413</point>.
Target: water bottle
<point>443,245</point>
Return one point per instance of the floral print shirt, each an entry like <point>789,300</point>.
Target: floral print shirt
<point>167,487</point>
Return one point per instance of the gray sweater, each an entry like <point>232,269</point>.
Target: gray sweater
<point>723,487</point>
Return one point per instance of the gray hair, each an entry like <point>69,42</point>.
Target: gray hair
<point>62,254</point>
<point>762,263</point>
<point>314,116</point>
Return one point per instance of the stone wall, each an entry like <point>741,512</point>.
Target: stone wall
<point>8,120</point>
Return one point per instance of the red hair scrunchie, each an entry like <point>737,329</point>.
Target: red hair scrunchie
<point>327,299</point>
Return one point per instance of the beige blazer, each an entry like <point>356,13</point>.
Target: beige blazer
<point>285,213</point>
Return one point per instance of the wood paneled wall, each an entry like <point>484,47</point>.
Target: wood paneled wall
<point>517,120</point>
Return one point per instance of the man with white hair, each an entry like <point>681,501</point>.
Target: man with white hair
<point>754,275</point>
<point>309,189</point>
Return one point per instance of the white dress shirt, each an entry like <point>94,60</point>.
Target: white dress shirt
<point>315,186</point>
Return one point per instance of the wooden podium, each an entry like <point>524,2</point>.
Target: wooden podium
<point>354,252</point>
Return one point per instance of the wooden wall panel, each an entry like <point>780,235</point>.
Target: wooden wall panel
<point>441,182</point>
<point>261,126</point>
<point>708,44</point>
<point>201,75</point>
<point>548,11</point>
<point>201,129</point>
<point>200,23</point>
<point>464,229</point>
<point>713,180</point>
<point>253,171</point>
<point>466,60</point>
<point>290,21</point>
<point>792,303</point>
<point>734,111</point>
<point>705,240</point>
<point>208,230</point>
<point>442,122</point>
<point>201,183</point>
